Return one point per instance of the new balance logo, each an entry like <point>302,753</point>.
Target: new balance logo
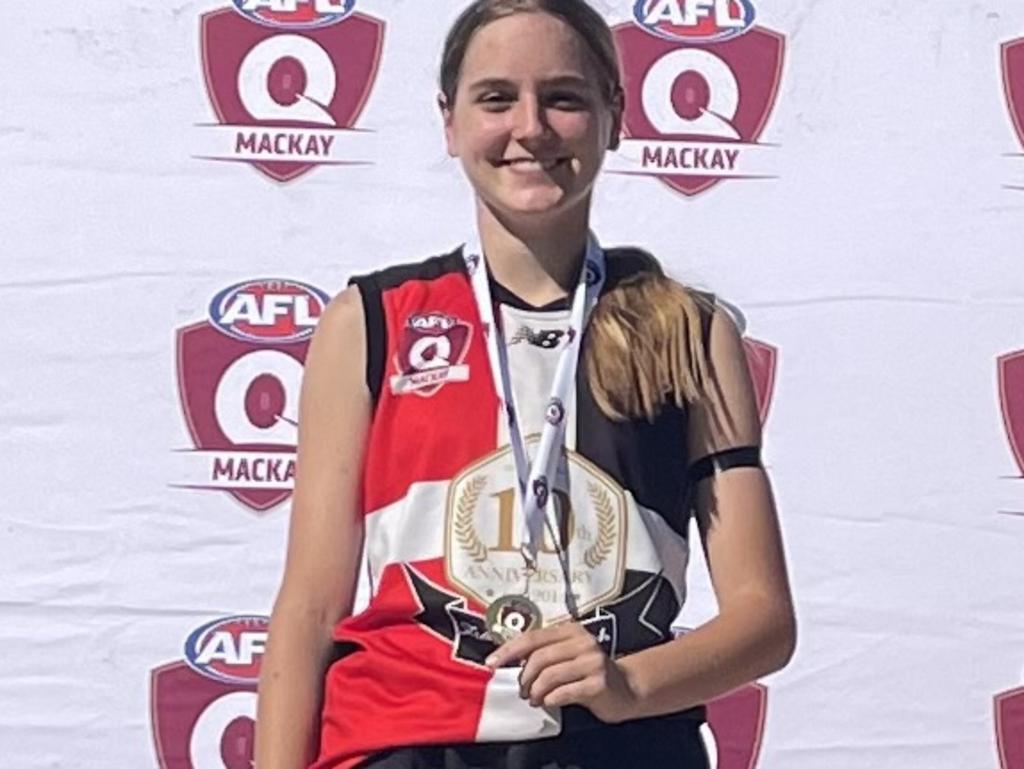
<point>548,339</point>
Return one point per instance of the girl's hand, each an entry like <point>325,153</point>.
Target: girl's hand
<point>565,665</point>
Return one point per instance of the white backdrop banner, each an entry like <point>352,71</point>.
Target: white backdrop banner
<point>186,185</point>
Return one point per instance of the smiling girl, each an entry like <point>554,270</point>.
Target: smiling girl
<point>530,424</point>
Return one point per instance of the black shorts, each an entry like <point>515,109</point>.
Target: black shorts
<point>666,742</point>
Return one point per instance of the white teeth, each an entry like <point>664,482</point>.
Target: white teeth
<point>547,165</point>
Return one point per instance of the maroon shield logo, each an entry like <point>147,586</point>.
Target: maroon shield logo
<point>762,360</point>
<point>720,95</point>
<point>1013,82</point>
<point>430,354</point>
<point>737,722</point>
<point>1011,397</point>
<point>288,91</point>
<point>198,722</point>
<point>1009,721</point>
<point>240,398</point>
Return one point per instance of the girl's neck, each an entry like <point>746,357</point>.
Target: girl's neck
<point>539,264</point>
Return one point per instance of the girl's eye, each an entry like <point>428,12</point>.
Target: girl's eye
<point>495,100</point>
<point>567,100</point>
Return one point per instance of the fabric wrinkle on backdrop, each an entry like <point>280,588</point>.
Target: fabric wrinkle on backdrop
<point>185,186</point>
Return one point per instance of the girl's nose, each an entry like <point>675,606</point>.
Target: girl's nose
<point>528,119</point>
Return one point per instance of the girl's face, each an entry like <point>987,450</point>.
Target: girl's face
<point>529,122</point>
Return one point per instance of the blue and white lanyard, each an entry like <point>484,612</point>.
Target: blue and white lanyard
<point>533,492</point>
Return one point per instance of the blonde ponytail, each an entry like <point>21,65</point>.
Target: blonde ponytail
<point>646,345</point>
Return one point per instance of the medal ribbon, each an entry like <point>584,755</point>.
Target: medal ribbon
<point>533,492</point>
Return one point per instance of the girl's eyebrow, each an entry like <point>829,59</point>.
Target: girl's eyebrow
<point>569,80</point>
<point>498,83</point>
<point>492,84</point>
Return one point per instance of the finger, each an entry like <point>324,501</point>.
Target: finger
<point>555,676</point>
<point>541,659</point>
<point>523,646</point>
<point>578,692</point>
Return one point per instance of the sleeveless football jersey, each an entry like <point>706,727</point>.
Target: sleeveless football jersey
<point>442,528</point>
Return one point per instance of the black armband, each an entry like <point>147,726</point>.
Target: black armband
<point>720,461</point>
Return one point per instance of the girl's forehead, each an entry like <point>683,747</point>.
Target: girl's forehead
<point>526,42</point>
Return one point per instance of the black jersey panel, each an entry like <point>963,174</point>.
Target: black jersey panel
<point>376,334</point>
<point>664,742</point>
<point>372,287</point>
<point>648,458</point>
<point>426,269</point>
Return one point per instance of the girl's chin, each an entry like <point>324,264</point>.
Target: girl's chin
<point>537,201</point>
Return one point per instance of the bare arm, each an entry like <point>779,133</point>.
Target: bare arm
<point>754,632</point>
<point>324,541</point>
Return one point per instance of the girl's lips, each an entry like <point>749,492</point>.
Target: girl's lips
<point>531,164</point>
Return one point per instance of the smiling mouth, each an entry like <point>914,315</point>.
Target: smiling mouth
<point>532,164</point>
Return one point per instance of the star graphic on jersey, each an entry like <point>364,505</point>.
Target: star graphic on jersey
<point>445,614</point>
<point>601,625</point>
<point>641,617</point>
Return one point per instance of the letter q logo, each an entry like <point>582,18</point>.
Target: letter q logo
<point>692,92</point>
<point>257,398</point>
<point>288,78</point>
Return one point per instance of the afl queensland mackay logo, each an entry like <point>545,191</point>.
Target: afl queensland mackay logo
<point>203,707</point>
<point>762,360</point>
<point>1011,400</point>
<point>701,80</point>
<point>736,722</point>
<point>1009,724</point>
<point>430,354</point>
<point>1013,87</point>
<point>288,80</point>
<point>239,373</point>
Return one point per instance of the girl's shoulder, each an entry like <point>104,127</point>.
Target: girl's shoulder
<point>394,275</point>
<point>627,264</point>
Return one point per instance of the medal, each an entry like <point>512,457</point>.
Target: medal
<point>516,614</point>
<point>510,616</point>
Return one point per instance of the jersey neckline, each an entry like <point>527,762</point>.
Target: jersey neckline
<point>503,295</point>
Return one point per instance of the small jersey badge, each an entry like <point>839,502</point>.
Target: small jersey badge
<point>430,354</point>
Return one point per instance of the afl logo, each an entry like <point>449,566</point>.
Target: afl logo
<point>228,649</point>
<point>295,14</point>
<point>434,323</point>
<point>695,21</point>
<point>281,311</point>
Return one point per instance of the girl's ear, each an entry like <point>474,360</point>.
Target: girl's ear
<point>446,115</point>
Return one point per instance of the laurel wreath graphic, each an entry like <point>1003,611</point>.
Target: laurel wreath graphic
<point>465,532</point>
<point>598,552</point>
